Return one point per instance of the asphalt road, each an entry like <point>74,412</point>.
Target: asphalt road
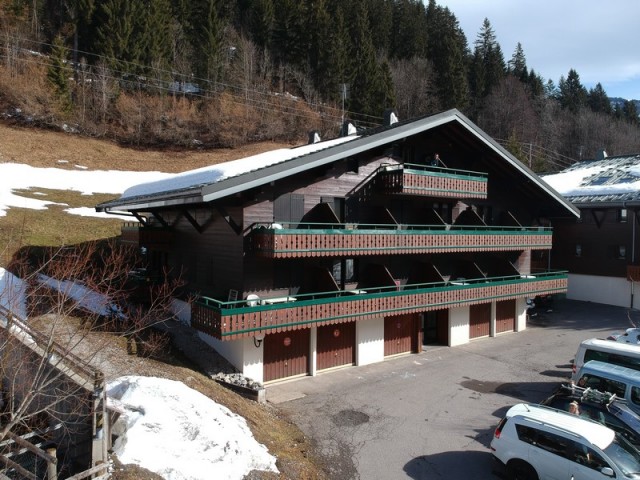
<point>432,415</point>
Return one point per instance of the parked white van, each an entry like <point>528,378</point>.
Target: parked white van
<point>623,382</point>
<point>607,351</point>
<point>534,442</point>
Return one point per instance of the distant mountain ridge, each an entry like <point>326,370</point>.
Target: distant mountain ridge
<point>619,102</point>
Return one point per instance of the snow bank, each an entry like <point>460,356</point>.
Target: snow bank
<point>179,433</point>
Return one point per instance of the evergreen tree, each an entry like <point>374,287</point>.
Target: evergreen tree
<point>571,94</point>
<point>155,34</point>
<point>518,64</point>
<point>487,64</point>
<point>333,66</point>
<point>115,33</point>
<point>59,73</point>
<point>262,21</point>
<point>535,84</point>
<point>598,100</point>
<point>409,33</point>
<point>363,77</point>
<point>630,112</point>
<point>447,50</point>
<point>290,40</point>
<point>205,39</point>
<point>381,21</point>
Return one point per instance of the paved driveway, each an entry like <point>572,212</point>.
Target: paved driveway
<point>432,415</point>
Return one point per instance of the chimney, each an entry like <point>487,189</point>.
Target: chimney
<point>390,117</point>
<point>601,155</point>
<point>314,137</point>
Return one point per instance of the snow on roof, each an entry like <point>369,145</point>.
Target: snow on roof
<point>221,171</point>
<point>13,294</point>
<point>608,179</point>
<point>179,433</point>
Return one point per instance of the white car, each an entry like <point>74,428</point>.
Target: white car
<point>535,442</point>
<point>631,335</point>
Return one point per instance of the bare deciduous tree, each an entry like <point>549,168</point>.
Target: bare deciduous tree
<point>57,309</point>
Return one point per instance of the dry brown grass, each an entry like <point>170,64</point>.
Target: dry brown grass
<point>53,226</point>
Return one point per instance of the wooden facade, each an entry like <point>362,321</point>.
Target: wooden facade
<point>354,231</point>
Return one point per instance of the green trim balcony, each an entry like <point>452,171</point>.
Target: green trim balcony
<point>299,240</point>
<point>411,179</point>
<point>233,320</point>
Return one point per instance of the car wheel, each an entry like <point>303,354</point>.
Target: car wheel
<point>519,470</point>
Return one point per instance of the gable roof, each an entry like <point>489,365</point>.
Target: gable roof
<point>222,180</point>
<point>609,181</point>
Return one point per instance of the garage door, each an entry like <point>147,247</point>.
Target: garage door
<point>505,316</point>
<point>336,345</point>
<point>286,354</point>
<point>401,334</point>
<point>479,320</point>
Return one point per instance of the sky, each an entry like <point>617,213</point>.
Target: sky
<point>598,39</point>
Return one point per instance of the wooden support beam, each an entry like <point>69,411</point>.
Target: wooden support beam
<point>230,221</point>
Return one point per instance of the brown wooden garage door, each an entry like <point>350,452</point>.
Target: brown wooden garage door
<point>479,320</point>
<point>336,345</point>
<point>401,334</point>
<point>505,316</point>
<point>286,354</point>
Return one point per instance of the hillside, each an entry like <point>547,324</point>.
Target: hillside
<point>22,227</point>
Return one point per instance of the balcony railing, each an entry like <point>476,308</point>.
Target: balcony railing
<point>232,320</point>
<point>432,181</point>
<point>284,240</point>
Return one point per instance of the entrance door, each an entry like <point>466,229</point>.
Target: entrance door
<point>436,327</point>
<point>286,354</point>
<point>336,345</point>
<point>505,316</point>
<point>479,320</point>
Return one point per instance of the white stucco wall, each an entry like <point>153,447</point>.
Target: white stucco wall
<point>608,290</point>
<point>458,326</point>
<point>370,341</point>
<point>521,314</point>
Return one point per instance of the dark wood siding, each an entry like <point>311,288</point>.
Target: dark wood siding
<point>505,316</point>
<point>286,354</point>
<point>400,334</point>
<point>336,345</point>
<point>479,320</point>
<point>599,234</point>
<point>210,261</point>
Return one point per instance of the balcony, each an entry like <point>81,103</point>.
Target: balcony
<point>232,320</point>
<point>410,179</point>
<point>314,240</point>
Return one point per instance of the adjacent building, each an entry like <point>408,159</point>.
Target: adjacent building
<point>353,250</point>
<point>600,248</point>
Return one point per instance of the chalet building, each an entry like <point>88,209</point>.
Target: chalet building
<point>600,248</point>
<point>353,250</point>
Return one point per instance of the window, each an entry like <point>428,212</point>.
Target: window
<point>553,443</point>
<point>603,384</point>
<point>622,215</point>
<point>622,251</point>
<point>526,434</point>
<point>578,250</point>
<point>615,358</point>
<point>348,264</point>
<point>635,395</point>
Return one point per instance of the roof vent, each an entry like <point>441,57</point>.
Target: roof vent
<point>601,155</point>
<point>314,137</point>
<point>390,117</point>
<point>347,129</point>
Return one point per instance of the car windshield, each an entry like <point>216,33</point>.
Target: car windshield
<point>625,456</point>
